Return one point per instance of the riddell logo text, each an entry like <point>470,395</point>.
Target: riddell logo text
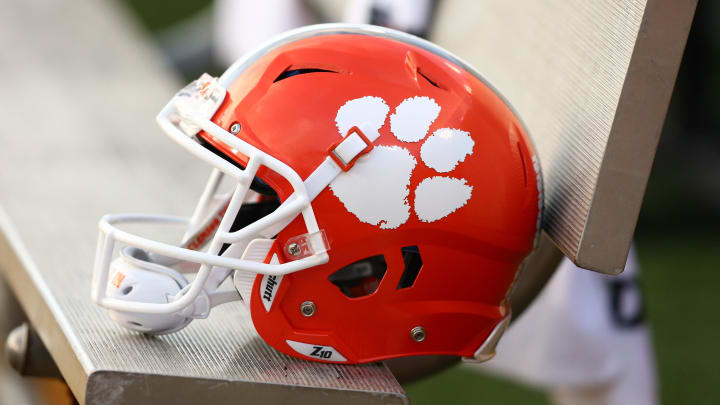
<point>202,236</point>
<point>269,287</point>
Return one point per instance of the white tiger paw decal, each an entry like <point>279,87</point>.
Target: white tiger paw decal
<point>376,190</point>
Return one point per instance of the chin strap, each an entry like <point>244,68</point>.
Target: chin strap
<point>341,158</point>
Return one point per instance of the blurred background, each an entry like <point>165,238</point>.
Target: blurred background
<point>677,237</point>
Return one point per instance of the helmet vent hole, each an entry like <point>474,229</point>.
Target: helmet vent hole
<point>127,290</point>
<point>360,278</point>
<point>524,166</point>
<point>133,323</point>
<point>429,80</point>
<point>413,264</point>
<point>296,72</point>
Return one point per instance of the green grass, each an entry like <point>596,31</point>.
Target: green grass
<point>158,14</point>
<point>458,386</point>
<point>681,277</point>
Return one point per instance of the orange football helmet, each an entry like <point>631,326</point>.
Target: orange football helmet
<point>396,196</point>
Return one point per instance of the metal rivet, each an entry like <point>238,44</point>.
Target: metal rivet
<point>417,333</point>
<point>16,347</point>
<point>294,249</point>
<point>235,128</point>
<point>308,308</point>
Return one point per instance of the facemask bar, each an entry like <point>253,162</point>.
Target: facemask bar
<point>203,207</point>
<point>185,115</point>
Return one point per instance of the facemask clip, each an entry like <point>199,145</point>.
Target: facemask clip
<point>200,98</point>
<point>308,244</point>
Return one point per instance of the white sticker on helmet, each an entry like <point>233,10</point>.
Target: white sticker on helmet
<point>412,118</point>
<point>438,197</point>
<point>377,189</point>
<point>367,113</point>
<point>445,148</point>
<point>320,352</point>
<point>269,286</point>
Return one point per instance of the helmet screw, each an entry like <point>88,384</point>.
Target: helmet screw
<point>308,308</point>
<point>417,333</point>
<point>294,249</point>
<point>235,128</point>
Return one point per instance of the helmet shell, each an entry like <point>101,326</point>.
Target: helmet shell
<point>288,101</point>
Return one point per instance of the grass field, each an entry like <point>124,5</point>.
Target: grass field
<point>680,277</point>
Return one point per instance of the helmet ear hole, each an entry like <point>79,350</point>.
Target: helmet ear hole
<point>133,323</point>
<point>127,290</point>
<point>360,278</point>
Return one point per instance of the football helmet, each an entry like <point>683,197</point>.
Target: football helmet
<point>384,198</point>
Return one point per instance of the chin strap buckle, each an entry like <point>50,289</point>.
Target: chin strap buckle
<point>346,152</point>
